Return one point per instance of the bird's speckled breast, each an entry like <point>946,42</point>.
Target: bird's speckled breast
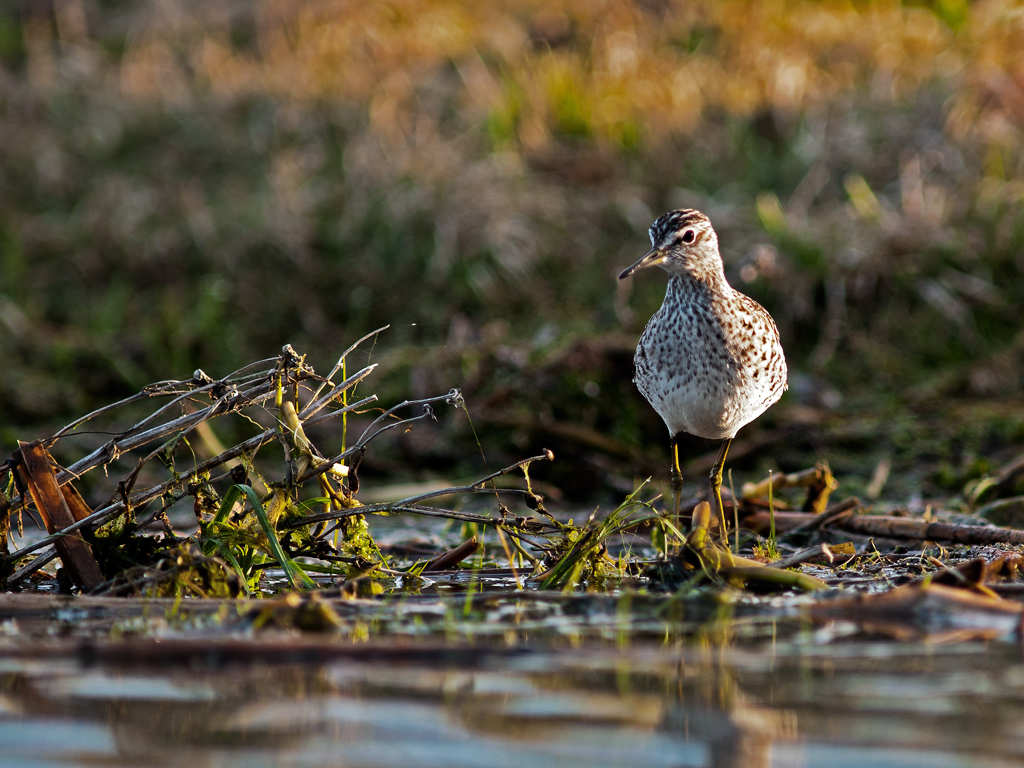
<point>709,361</point>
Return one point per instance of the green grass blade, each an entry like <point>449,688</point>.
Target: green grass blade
<point>226,553</point>
<point>232,496</point>
<point>291,568</point>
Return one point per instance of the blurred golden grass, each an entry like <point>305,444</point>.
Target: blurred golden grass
<point>617,71</point>
<point>194,183</point>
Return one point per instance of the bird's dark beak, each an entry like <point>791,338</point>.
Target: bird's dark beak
<point>653,258</point>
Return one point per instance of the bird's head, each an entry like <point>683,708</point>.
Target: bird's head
<point>684,242</point>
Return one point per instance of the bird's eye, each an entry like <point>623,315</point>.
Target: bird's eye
<point>688,236</point>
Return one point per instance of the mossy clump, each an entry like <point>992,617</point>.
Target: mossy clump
<point>183,571</point>
<point>294,611</point>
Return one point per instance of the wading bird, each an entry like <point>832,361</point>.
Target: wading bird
<point>709,361</point>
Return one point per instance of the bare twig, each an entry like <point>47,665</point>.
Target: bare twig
<point>27,570</point>
<point>316,406</point>
<point>341,360</point>
<point>819,521</point>
<point>409,503</point>
<point>368,434</point>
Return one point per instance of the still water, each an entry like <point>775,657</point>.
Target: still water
<point>807,697</point>
<point>464,670</point>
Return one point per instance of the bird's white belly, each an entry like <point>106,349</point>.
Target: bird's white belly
<point>706,411</point>
<point>708,373</point>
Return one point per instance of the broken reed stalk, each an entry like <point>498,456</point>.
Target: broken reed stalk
<point>453,557</point>
<point>818,480</point>
<point>37,476</point>
<point>714,559</point>
<point>818,520</point>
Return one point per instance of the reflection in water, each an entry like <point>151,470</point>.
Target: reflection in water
<point>790,704</point>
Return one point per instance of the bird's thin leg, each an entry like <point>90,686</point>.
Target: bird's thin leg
<point>716,483</point>
<point>677,477</point>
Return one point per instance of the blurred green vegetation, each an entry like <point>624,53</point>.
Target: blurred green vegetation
<point>194,184</point>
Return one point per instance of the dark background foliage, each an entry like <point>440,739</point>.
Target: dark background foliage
<point>194,184</point>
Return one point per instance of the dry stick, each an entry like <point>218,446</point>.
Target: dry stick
<point>27,570</point>
<point>134,430</point>
<point>407,504</point>
<point>477,486</point>
<point>802,556</point>
<point>761,522</point>
<point>817,521</point>
<point>171,387</point>
<point>450,398</point>
<point>909,528</point>
<point>466,517</point>
<point>158,389</point>
<point>235,398</point>
<point>365,438</point>
<point>143,395</point>
<point>341,360</point>
<point>315,407</point>
<point>346,409</point>
<point>179,427</point>
<point>266,361</point>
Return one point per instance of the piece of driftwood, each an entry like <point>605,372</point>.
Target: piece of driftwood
<point>75,553</point>
<point>888,526</point>
<point>791,522</point>
<point>837,510</point>
<point>761,522</point>
<point>913,528</point>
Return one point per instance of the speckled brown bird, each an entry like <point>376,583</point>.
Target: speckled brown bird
<point>710,360</point>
